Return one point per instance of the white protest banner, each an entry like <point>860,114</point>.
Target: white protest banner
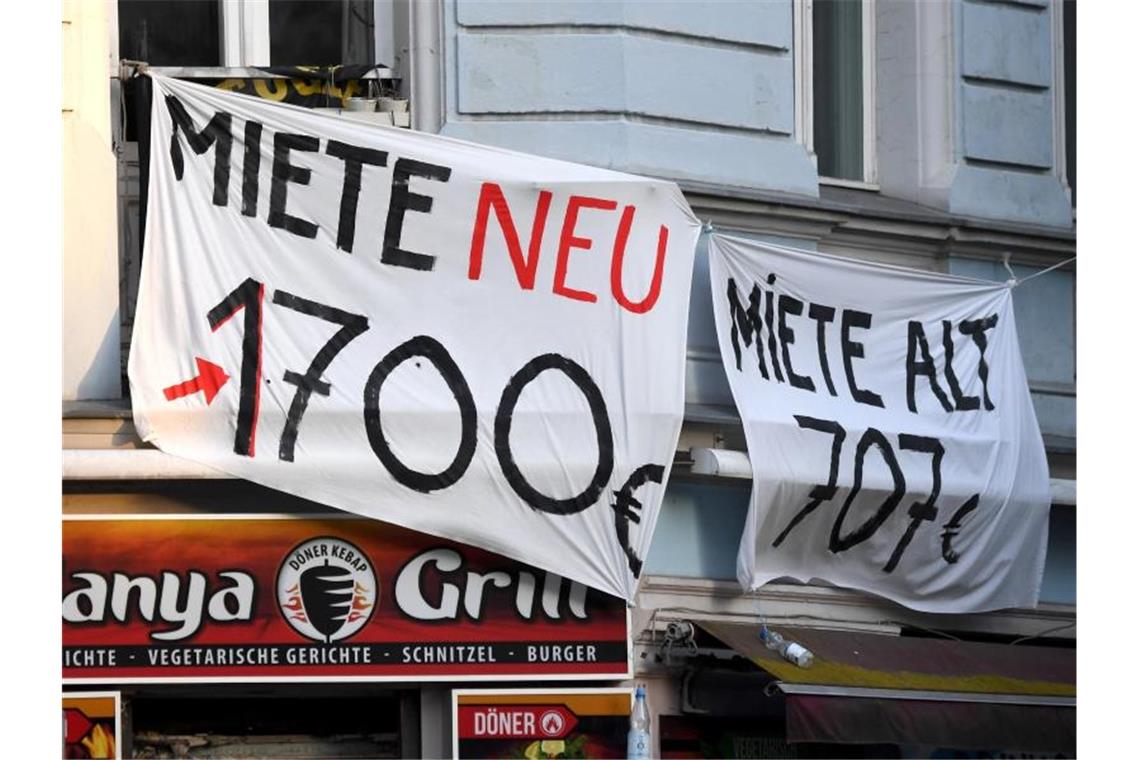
<point>466,341</point>
<point>893,444</point>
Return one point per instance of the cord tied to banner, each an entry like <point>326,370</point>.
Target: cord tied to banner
<point>1015,282</point>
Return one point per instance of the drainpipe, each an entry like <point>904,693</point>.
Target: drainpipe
<point>425,20</point>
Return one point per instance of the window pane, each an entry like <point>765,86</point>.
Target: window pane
<point>837,80</point>
<point>170,32</point>
<point>320,32</point>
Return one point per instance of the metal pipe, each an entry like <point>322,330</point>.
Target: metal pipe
<point>727,463</point>
<point>427,87</point>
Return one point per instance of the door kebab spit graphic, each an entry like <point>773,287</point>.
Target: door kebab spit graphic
<point>356,316</point>
<point>333,597</point>
<point>267,598</point>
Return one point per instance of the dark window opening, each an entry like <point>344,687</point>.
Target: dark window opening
<point>837,84</point>
<point>170,32</point>
<point>363,726</point>
<point>321,33</point>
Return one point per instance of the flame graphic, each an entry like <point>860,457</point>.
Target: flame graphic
<point>359,604</point>
<point>294,604</point>
<point>100,742</point>
<point>360,589</point>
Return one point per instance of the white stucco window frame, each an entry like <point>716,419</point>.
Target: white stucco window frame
<point>802,76</point>
<point>244,32</point>
<point>804,92</point>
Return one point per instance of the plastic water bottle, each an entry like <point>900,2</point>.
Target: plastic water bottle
<point>637,747</point>
<point>789,650</point>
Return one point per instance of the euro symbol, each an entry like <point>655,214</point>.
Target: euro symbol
<point>626,508</point>
<point>951,528</point>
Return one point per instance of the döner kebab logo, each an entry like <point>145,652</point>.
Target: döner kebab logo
<point>326,589</point>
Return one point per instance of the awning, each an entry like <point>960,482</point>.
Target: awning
<point>866,688</point>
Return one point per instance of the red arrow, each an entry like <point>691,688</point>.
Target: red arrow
<point>76,725</point>
<point>210,379</point>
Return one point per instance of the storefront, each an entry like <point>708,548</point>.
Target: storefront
<point>199,602</point>
<point>211,608</point>
<point>870,695</point>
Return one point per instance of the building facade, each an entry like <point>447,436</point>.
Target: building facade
<point>934,135</point>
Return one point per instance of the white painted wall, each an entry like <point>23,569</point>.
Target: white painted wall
<point>91,367</point>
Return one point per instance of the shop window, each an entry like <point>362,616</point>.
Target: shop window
<point>242,725</point>
<point>842,90</point>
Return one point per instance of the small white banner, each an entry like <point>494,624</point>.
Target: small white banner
<point>470,342</point>
<point>893,443</point>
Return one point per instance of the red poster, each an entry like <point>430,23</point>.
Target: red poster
<point>540,724</point>
<point>91,725</point>
<point>255,598</point>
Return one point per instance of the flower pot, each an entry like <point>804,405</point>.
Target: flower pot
<point>393,105</point>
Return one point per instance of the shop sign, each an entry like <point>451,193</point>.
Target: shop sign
<point>482,345</point>
<point>540,723</point>
<point>266,598</point>
<point>91,727</point>
<point>893,442</point>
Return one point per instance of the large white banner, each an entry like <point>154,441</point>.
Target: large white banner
<point>893,444</point>
<point>470,342</point>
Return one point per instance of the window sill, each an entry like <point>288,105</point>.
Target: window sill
<point>853,184</point>
<point>244,72</point>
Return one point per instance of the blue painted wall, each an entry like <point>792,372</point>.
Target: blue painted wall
<point>706,92</point>
<point>699,528</point>
<point>1045,310</point>
<point>675,89</point>
<point>1006,165</point>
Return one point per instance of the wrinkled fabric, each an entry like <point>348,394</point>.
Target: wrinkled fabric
<point>331,315</point>
<point>877,464</point>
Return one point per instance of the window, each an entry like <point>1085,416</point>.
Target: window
<point>212,34</point>
<point>842,90</point>
<point>170,32</point>
<point>349,720</point>
<point>238,33</point>
<point>320,33</point>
